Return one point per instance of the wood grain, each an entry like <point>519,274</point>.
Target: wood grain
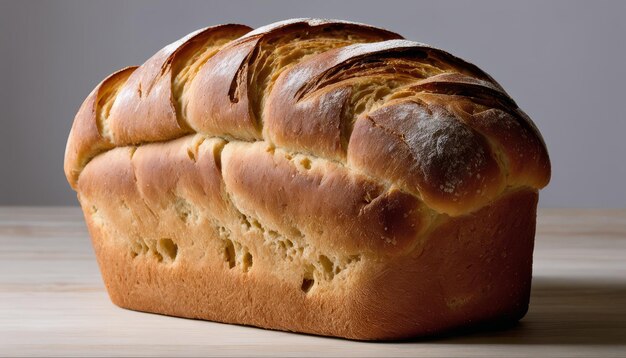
<point>53,303</point>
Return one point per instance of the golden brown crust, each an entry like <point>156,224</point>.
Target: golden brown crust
<point>311,175</point>
<point>323,201</point>
<point>469,270</point>
<point>512,134</point>
<point>227,98</point>
<point>366,101</point>
<point>312,106</point>
<point>145,110</point>
<point>87,136</point>
<point>435,156</point>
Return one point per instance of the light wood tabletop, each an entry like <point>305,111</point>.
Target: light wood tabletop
<point>53,302</point>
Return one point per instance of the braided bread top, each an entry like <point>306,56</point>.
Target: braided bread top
<point>405,113</point>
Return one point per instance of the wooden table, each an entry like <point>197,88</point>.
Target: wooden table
<point>53,302</point>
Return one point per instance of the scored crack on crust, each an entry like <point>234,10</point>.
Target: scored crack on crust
<point>228,97</point>
<point>315,153</point>
<point>151,106</point>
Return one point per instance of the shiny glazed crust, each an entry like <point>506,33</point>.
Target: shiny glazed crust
<point>314,176</point>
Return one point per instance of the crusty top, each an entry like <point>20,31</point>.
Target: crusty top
<point>401,112</point>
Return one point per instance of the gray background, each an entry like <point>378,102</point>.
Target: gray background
<point>564,62</point>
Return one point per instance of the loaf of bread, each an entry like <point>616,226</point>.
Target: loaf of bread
<point>315,176</point>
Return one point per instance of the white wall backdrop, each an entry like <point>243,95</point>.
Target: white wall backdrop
<point>564,62</point>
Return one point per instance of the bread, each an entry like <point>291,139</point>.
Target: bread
<point>314,176</point>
